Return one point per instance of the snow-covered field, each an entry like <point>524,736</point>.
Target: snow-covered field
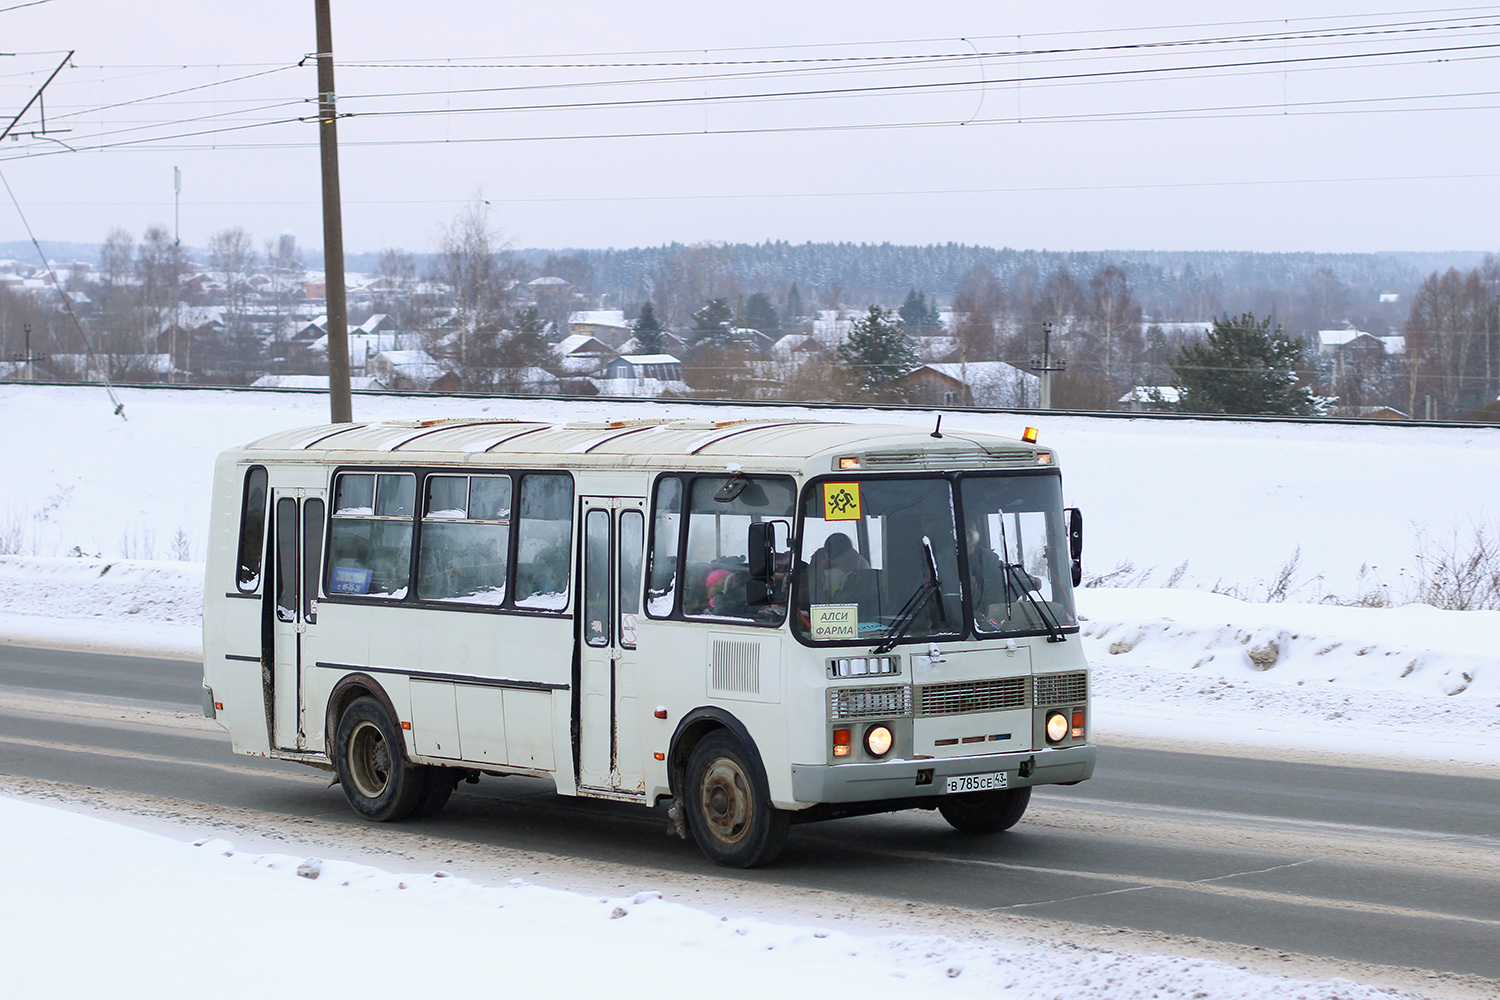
<point>104,521</point>
<point>1234,501</point>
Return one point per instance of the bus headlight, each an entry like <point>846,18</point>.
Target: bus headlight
<point>878,741</point>
<point>1057,727</point>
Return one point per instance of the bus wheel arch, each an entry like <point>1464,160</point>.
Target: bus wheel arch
<point>368,752</point>
<point>720,788</point>
<point>349,689</point>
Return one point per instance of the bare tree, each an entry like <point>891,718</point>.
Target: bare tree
<point>231,260</point>
<point>159,268</point>
<point>1445,336</point>
<point>469,262</point>
<point>1114,319</point>
<point>977,306</point>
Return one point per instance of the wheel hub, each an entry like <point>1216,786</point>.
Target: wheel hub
<point>369,760</point>
<point>727,800</point>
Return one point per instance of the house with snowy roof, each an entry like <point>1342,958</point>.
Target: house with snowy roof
<point>405,369</point>
<point>975,383</point>
<point>608,325</point>
<point>644,376</point>
<point>1352,342</point>
<point>318,382</point>
<point>581,354</point>
<point>1151,398</point>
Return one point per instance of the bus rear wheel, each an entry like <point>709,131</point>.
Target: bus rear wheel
<point>985,812</point>
<point>729,804</point>
<point>372,767</point>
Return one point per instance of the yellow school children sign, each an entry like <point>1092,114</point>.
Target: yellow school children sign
<point>841,502</point>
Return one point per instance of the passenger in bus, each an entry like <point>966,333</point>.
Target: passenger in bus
<point>721,585</point>
<point>831,564</point>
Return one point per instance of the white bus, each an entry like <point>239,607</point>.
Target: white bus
<point>764,621</point>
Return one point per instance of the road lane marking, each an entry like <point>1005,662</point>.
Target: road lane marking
<point>159,759</point>
<point>104,712</point>
<point>1137,883</point>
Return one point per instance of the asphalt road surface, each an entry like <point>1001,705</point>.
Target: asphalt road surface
<point>1387,867</point>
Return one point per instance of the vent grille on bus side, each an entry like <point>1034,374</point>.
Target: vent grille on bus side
<point>962,697</point>
<point>1057,689</point>
<point>1009,459</point>
<point>869,702</point>
<point>736,666</point>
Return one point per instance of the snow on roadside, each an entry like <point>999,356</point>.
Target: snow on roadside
<point>163,919</point>
<point>1412,680</point>
<point>137,607</point>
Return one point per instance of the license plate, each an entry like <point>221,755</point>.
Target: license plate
<point>976,782</point>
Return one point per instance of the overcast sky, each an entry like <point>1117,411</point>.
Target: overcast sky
<point>1309,125</point>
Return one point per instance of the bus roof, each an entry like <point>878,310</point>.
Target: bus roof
<point>754,445</point>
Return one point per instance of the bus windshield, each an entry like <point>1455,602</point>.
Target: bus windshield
<point>1016,549</point>
<point>864,573</point>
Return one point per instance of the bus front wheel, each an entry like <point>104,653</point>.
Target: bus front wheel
<point>985,812</point>
<point>374,773</point>
<point>729,804</point>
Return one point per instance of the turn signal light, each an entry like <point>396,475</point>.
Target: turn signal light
<point>660,756</point>
<point>841,742</point>
<point>406,725</point>
<point>1077,724</point>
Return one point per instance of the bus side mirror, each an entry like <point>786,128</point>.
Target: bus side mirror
<point>1075,542</point>
<point>766,540</point>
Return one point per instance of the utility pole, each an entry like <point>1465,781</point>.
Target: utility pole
<point>176,271</point>
<point>28,359</point>
<point>1045,367</point>
<point>340,407</point>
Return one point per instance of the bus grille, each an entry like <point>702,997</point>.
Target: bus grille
<point>1055,689</point>
<point>962,697</point>
<point>869,702</point>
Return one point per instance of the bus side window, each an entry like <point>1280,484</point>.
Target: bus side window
<point>661,586</point>
<point>465,542</point>
<point>252,530</point>
<point>544,532</point>
<point>369,548</point>
<point>632,542</point>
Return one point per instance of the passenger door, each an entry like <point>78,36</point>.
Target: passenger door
<point>609,753</point>
<point>297,523</point>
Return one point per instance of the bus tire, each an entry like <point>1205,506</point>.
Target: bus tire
<point>438,786</point>
<point>985,812</point>
<point>372,766</point>
<point>729,807</point>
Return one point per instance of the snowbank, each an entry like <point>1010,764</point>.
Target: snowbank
<point>160,919</point>
<point>1412,680</point>
<point>138,607</point>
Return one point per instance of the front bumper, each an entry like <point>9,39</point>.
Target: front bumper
<point>899,779</point>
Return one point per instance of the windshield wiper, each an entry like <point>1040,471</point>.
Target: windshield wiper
<point>1021,580</point>
<point>916,602</point>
